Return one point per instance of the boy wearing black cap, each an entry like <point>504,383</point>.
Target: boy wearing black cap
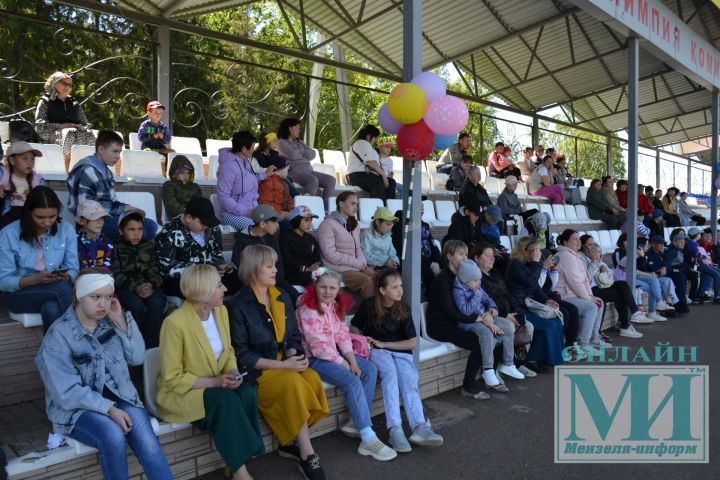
<point>465,225</point>
<point>191,239</point>
<point>178,191</point>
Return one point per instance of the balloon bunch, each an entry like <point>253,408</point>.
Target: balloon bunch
<point>423,116</point>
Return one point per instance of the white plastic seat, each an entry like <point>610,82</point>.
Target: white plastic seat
<point>333,157</point>
<point>5,131</point>
<point>28,320</point>
<point>596,237</point>
<point>668,231</point>
<point>212,146</point>
<point>186,145</point>
<point>614,236</point>
<point>444,210</point>
<point>65,214</point>
<point>547,208</point>
<point>135,143</point>
<point>216,206</point>
<point>367,209</point>
<point>583,216</point>
<point>195,159</point>
<point>430,217</point>
<point>151,368</point>
<point>315,204</point>
<point>505,242</point>
<point>78,152</point>
<point>142,166</point>
<point>571,214</point>
<point>145,201</point>
<point>494,185</point>
<point>212,167</point>
<point>394,204</point>
<point>558,213</point>
<point>605,242</point>
<point>426,185</point>
<point>325,168</point>
<point>431,166</point>
<point>438,180</point>
<point>52,163</point>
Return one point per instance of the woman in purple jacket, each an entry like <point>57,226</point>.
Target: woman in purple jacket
<point>237,188</point>
<point>299,155</point>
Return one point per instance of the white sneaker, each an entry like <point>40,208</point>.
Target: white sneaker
<point>662,305</point>
<point>600,343</point>
<point>378,450</point>
<point>526,371</point>
<point>630,332</point>
<point>656,317</point>
<point>511,371</point>
<point>350,430</point>
<point>639,318</point>
<point>490,379</point>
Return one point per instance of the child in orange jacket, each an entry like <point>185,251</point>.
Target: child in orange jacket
<point>274,190</point>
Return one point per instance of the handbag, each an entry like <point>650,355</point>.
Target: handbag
<point>541,310</point>
<point>522,337</point>
<point>604,279</point>
<point>22,131</point>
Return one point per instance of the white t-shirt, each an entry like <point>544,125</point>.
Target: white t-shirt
<point>199,238</point>
<point>213,335</point>
<point>366,152</point>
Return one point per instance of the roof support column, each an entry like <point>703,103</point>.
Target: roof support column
<point>608,159</point>
<point>633,93</point>
<point>412,172</point>
<point>314,99</point>
<point>713,188</point>
<point>346,128</point>
<point>535,132</point>
<point>657,169</point>
<point>164,74</point>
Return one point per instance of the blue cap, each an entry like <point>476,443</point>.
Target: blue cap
<point>657,239</point>
<point>657,213</point>
<point>495,212</point>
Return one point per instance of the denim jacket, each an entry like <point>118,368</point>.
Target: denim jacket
<point>18,258</point>
<point>76,366</point>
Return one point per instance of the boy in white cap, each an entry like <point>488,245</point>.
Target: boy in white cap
<point>94,248</point>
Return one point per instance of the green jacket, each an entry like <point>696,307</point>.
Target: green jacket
<point>135,264</point>
<point>175,195</point>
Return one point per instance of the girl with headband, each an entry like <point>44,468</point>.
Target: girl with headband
<point>83,362</point>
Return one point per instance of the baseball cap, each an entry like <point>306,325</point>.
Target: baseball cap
<point>679,236</point>
<point>91,210</point>
<point>384,213</point>
<point>269,137</point>
<point>473,206</point>
<point>154,104</point>
<point>202,209</point>
<point>263,213</point>
<point>657,239</point>
<point>302,211</point>
<point>511,180</point>
<point>657,213</point>
<point>22,147</point>
<point>495,212</point>
<point>692,231</point>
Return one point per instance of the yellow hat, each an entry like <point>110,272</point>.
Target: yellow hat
<point>269,137</point>
<point>384,213</point>
<point>384,141</point>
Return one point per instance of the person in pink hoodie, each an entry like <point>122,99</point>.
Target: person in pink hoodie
<point>237,187</point>
<point>339,239</point>
<point>574,287</point>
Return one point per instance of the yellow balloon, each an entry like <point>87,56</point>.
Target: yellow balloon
<point>407,103</point>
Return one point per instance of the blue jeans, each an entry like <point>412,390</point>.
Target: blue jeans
<point>709,276</point>
<point>110,228</point>
<point>359,392</point>
<point>100,431</point>
<point>651,285</point>
<point>50,300</point>
<point>398,377</point>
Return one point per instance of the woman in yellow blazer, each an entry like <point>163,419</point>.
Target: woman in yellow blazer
<point>199,381</point>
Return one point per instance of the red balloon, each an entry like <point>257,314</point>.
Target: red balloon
<point>415,141</point>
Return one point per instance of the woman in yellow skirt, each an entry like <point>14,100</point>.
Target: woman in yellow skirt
<point>291,396</point>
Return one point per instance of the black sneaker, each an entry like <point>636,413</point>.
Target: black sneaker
<point>291,451</point>
<point>311,469</point>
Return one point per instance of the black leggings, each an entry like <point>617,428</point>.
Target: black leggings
<point>621,295</point>
<point>465,340</point>
<point>373,184</point>
<point>571,322</point>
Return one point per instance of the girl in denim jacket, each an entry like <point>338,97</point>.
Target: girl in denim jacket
<point>89,397</point>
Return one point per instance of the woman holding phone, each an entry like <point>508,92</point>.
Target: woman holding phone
<point>38,258</point>
<point>267,343</point>
<point>199,381</point>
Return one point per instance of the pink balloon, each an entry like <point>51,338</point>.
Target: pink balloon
<point>446,115</point>
<point>432,85</point>
<point>387,122</point>
<point>415,141</point>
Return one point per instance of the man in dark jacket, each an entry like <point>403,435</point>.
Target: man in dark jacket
<point>472,189</point>
<point>264,232</point>
<point>429,252</point>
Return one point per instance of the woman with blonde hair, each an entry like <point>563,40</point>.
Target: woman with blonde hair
<point>199,381</point>
<point>59,118</point>
<point>267,343</point>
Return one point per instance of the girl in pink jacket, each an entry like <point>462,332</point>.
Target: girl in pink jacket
<point>326,341</point>
<point>574,287</point>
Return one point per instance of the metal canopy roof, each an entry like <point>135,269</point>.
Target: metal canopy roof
<point>532,54</point>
